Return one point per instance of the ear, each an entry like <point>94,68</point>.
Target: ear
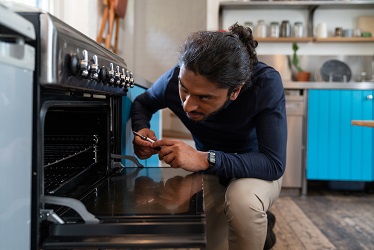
<point>236,92</point>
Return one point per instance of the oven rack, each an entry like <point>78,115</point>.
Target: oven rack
<point>58,148</point>
<point>60,177</point>
<point>66,159</point>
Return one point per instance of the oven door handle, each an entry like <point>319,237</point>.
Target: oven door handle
<point>74,204</point>
<point>128,157</point>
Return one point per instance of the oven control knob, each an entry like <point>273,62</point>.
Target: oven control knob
<point>84,65</point>
<point>111,73</point>
<point>103,74</point>
<point>117,76</point>
<point>123,77</point>
<point>132,82</point>
<point>74,64</point>
<point>95,68</point>
<point>127,79</point>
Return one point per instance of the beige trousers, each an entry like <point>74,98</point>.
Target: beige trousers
<point>236,216</point>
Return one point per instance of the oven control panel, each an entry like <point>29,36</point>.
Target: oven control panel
<point>71,60</point>
<point>96,74</point>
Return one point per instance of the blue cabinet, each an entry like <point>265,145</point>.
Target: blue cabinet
<point>337,150</point>
<point>127,135</point>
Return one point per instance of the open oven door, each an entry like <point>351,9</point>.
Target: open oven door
<point>151,207</point>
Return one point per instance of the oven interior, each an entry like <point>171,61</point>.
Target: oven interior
<point>76,146</point>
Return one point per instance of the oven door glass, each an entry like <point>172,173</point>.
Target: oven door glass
<point>153,207</point>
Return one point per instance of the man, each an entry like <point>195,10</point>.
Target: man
<point>234,107</point>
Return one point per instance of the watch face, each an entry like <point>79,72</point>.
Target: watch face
<point>211,158</point>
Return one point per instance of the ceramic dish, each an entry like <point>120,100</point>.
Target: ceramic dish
<point>335,71</point>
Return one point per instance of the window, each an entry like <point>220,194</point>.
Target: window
<point>47,5</point>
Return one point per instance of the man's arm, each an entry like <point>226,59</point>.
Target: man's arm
<point>269,161</point>
<point>149,102</point>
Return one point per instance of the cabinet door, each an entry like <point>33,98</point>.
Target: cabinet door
<point>337,150</point>
<point>127,135</point>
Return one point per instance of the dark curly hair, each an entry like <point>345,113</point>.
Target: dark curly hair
<point>225,58</point>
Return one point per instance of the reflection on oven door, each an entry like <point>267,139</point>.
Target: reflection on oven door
<point>137,207</point>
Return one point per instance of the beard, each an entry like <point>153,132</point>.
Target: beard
<point>210,115</point>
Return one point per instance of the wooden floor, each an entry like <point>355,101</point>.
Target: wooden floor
<point>325,219</point>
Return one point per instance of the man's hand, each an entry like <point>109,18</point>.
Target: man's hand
<point>180,155</point>
<point>143,149</point>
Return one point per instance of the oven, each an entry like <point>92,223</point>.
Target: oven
<point>81,195</point>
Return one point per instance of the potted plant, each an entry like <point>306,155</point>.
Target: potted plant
<point>302,76</point>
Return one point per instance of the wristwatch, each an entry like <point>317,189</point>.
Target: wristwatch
<point>211,158</point>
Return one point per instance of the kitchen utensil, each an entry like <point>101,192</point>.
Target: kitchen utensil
<point>335,71</point>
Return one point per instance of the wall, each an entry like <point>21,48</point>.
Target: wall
<point>212,16</point>
<point>161,26</point>
<point>83,15</point>
<point>154,35</point>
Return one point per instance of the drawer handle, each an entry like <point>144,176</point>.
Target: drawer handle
<point>369,97</point>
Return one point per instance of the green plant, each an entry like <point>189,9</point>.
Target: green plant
<point>295,59</point>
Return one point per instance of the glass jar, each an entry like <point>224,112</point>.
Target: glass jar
<point>249,25</point>
<point>285,29</point>
<point>339,31</point>
<point>298,29</point>
<point>274,29</point>
<point>261,28</point>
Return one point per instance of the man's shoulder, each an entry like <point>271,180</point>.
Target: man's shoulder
<point>261,69</point>
<point>163,82</point>
<point>265,74</point>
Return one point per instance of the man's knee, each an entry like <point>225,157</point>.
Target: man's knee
<point>242,203</point>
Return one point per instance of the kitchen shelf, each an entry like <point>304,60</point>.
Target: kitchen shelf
<point>344,40</point>
<point>285,39</point>
<point>317,40</point>
<point>310,6</point>
<point>296,4</point>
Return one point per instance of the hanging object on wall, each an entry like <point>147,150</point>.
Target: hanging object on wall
<point>114,10</point>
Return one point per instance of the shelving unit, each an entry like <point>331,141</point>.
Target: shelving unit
<point>310,7</point>
<point>344,40</point>
<point>285,39</point>
<point>297,4</point>
<point>317,40</point>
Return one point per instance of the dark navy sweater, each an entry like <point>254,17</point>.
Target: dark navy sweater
<point>249,135</point>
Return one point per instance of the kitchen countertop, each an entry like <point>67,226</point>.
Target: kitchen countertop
<point>328,85</point>
<point>141,82</point>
